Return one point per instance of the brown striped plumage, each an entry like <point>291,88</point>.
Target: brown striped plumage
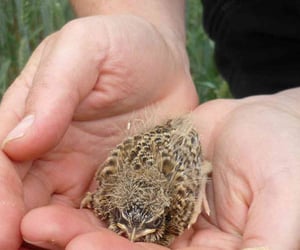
<point>152,186</point>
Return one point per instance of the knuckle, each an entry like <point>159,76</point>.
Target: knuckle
<point>76,27</point>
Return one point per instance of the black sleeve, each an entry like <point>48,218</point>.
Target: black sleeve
<point>257,43</point>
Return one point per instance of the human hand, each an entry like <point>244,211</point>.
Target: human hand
<point>254,146</point>
<point>76,95</point>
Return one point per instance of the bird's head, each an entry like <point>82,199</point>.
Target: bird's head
<point>138,223</point>
<point>140,206</point>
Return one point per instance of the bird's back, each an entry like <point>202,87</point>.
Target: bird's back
<point>160,167</point>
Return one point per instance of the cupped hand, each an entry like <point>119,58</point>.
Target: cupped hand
<point>71,105</point>
<point>254,145</point>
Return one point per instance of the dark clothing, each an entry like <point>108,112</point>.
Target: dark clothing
<point>257,43</point>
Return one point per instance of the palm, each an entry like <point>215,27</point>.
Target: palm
<point>243,189</point>
<point>253,154</point>
<point>252,170</point>
<point>65,172</point>
<point>84,118</point>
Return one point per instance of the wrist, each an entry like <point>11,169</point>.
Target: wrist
<point>286,101</point>
<point>167,15</point>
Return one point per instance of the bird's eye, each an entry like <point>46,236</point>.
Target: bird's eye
<point>118,217</point>
<point>156,223</point>
<point>117,214</point>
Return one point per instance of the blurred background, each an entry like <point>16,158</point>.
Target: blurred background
<point>24,23</point>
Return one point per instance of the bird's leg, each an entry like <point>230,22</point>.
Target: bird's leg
<point>205,171</point>
<point>87,200</point>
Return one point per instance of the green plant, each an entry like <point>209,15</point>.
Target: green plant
<point>24,23</point>
<point>209,83</point>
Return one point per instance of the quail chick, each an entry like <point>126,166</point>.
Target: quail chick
<point>152,186</point>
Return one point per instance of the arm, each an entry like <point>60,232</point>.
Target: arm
<point>74,96</point>
<point>253,144</point>
<point>121,34</point>
<point>167,15</point>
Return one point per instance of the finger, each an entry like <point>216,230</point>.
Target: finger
<point>60,227</point>
<point>105,239</point>
<point>27,246</point>
<point>11,205</point>
<point>208,236</point>
<point>274,206</point>
<point>208,118</point>
<point>13,102</point>
<point>67,72</point>
<point>46,182</point>
<point>258,199</point>
<point>256,248</point>
<point>52,227</point>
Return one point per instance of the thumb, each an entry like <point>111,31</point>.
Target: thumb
<point>208,119</point>
<point>65,75</point>
<point>272,219</point>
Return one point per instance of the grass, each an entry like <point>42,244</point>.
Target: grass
<point>24,23</point>
<point>208,81</point>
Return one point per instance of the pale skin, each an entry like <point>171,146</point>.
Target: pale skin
<point>82,84</point>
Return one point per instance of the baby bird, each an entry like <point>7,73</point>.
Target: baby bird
<point>152,186</point>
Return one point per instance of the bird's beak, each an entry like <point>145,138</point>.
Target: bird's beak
<point>132,235</point>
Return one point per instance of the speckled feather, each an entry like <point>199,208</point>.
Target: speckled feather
<point>151,182</point>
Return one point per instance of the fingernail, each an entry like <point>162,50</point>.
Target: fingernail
<point>20,130</point>
<point>47,244</point>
